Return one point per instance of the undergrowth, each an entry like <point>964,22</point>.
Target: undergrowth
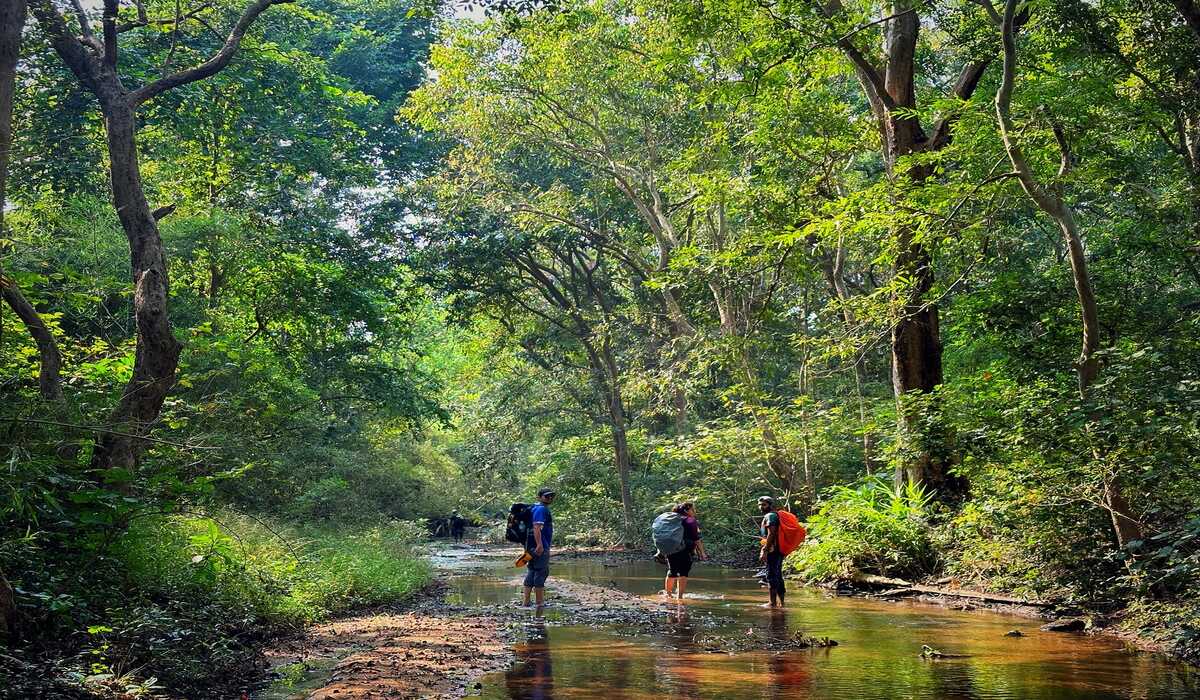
<point>184,601</point>
<point>872,528</point>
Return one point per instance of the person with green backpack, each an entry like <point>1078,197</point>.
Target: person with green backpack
<point>677,536</point>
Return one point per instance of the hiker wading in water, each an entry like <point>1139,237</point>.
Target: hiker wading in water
<point>538,545</point>
<point>770,554</point>
<point>458,526</point>
<point>679,564</point>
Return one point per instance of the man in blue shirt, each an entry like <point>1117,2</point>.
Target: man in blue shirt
<point>538,545</point>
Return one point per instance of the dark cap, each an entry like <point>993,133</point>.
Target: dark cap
<point>545,492</point>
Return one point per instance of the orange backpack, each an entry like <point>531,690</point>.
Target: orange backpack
<point>791,532</point>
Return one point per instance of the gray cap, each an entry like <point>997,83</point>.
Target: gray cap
<point>545,492</point>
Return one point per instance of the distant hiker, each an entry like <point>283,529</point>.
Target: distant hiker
<point>540,537</point>
<point>679,564</point>
<point>770,554</point>
<point>458,526</point>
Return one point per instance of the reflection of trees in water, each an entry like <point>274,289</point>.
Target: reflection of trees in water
<point>952,680</point>
<point>788,669</point>
<point>531,677</point>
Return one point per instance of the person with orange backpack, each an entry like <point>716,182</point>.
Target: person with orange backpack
<point>781,534</point>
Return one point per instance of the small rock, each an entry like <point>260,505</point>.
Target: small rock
<point>1066,625</point>
<point>1014,633</point>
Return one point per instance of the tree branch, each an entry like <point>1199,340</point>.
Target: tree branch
<point>175,21</point>
<point>85,27</point>
<point>213,65</point>
<point>964,87</point>
<point>71,50</point>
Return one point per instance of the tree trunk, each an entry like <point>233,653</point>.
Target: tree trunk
<point>12,22</point>
<point>618,423</point>
<point>49,380</point>
<point>1126,526</point>
<point>157,354</point>
<point>680,402</point>
<point>916,340</point>
<point>93,61</point>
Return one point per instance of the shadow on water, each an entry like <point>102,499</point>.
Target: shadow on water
<point>877,656</point>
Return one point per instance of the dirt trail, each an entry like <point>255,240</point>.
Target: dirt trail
<point>413,655</point>
<point>426,651</point>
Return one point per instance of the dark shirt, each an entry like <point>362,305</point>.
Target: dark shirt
<point>691,529</point>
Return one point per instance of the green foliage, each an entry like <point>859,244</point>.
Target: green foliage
<point>421,264</point>
<point>187,599</point>
<point>873,528</point>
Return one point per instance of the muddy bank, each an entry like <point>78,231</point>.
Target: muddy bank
<point>424,649</point>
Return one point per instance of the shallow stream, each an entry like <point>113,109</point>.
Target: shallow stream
<point>877,654</point>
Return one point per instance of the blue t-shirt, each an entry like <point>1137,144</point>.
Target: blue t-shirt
<point>769,520</point>
<point>541,514</point>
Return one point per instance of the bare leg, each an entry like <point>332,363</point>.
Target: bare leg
<point>668,585</point>
<point>681,585</point>
<point>540,595</point>
<point>528,590</point>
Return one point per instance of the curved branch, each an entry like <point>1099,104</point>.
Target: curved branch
<point>214,64</point>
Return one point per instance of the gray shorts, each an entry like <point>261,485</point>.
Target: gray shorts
<point>537,570</point>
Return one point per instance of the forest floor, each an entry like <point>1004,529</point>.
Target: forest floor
<point>422,651</point>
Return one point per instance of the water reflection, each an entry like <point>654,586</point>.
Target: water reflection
<point>788,671</point>
<point>532,677</point>
<point>877,656</point>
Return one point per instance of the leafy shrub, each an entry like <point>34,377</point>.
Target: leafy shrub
<point>872,528</point>
<point>186,599</point>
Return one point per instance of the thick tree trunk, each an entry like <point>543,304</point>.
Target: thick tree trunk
<point>916,335</point>
<point>916,341</point>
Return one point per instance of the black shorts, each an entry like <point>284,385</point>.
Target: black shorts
<point>680,563</point>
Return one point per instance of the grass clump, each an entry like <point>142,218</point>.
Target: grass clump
<point>185,601</point>
<point>872,528</point>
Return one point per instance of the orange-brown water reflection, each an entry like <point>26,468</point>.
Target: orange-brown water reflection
<point>877,656</point>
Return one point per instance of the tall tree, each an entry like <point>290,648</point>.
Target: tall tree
<point>12,23</point>
<point>889,84</point>
<point>94,61</point>
<point>1051,201</point>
